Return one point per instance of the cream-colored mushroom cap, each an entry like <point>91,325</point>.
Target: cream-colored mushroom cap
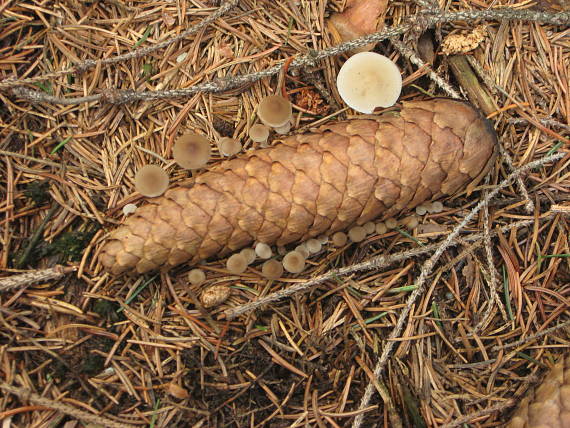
<point>191,151</point>
<point>259,133</point>
<point>151,181</point>
<point>229,147</point>
<point>368,80</point>
<point>236,263</point>
<point>274,111</point>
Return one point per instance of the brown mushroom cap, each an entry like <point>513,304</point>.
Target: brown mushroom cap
<point>274,111</point>
<point>151,181</point>
<point>272,269</point>
<point>228,146</point>
<point>191,151</point>
<point>368,80</point>
<point>237,263</point>
<point>381,228</point>
<point>369,227</point>
<point>391,223</point>
<point>411,222</point>
<point>196,276</point>
<point>259,133</point>
<point>294,262</point>
<point>339,239</point>
<point>357,233</point>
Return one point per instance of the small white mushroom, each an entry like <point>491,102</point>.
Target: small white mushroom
<point>263,250</point>
<point>368,80</point>
<point>129,209</point>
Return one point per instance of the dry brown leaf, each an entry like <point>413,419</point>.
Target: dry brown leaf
<point>360,17</point>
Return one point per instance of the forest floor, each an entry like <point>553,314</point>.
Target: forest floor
<point>431,331</point>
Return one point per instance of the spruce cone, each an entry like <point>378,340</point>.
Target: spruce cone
<point>342,174</point>
<point>548,406</point>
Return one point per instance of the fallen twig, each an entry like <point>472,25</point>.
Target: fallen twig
<point>427,268</point>
<point>114,96</point>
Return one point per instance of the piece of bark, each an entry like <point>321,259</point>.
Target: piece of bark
<point>342,174</point>
<point>548,405</point>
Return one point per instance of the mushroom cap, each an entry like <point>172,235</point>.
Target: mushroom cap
<point>381,228</point>
<point>369,227</point>
<point>274,111</point>
<point>272,269</point>
<point>421,209</point>
<point>368,80</point>
<point>151,181</point>
<point>391,223</point>
<point>284,129</point>
<point>263,250</point>
<point>294,262</point>
<point>191,151</point>
<point>196,276</point>
<point>129,209</point>
<point>303,250</point>
<point>357,233</point>
<point>229,146</point>
<point>237,263</point>
<point>249,254</point>
<point>313,245</point>
<point>339,239</point>
<point>259,133</point>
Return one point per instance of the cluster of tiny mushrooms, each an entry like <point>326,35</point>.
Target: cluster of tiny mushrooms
<point>365,81</point>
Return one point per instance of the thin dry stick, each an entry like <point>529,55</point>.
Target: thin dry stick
<point>26,394</point>
<point>24,279</point>
<point>532,337</point>
<point>137,53</point>
<point>120,97</point>
<point>467,418</point>
<point>427,268</point>
<point>529,205</point>
<point>414,59</point>
<point>493,274</point>
<point>377,262</point>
